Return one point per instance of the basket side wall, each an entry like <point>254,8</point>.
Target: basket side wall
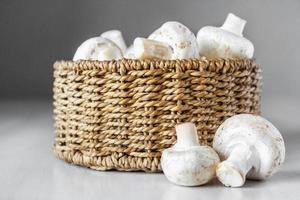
<point>123,119</point>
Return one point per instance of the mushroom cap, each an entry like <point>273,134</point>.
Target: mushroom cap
<point>179,37</point>
<point>190,167</point>
<point>215,42</point>
<point>117,37</point>
<point>259,134</point>
<point>97,48</point>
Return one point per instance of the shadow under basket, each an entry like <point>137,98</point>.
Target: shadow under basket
<point>121,114</point>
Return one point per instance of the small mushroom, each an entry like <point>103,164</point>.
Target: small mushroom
<point>117,37</point>
<point>226,41</point>
<point>187,163</point>
<point>182,41</point>
<point>151,49</point>
<point>251,147</point>
<point>98,48</point>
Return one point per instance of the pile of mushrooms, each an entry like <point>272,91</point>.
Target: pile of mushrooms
<point>172,41</point>
<point>248,145</point>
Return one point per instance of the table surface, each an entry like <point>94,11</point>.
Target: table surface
<point>29,170</point>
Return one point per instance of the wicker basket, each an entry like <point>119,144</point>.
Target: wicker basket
<point>121,114</point>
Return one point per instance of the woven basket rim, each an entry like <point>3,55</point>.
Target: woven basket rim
<point>124,65</point>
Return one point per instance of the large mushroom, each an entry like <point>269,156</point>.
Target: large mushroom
<point>226,41</point>
<point>182,41</point>
<point>250,147</point>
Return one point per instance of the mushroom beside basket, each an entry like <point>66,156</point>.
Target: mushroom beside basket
<point>121,114</point>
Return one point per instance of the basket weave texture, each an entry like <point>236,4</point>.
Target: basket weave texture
<point>121,114</point>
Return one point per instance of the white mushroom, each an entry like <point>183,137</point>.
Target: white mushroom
<point>117,37</point>
<point>252,147</point>
<point>129,53</point>
<point>149,49</point>
<point>182,41</point>
<point>97,48</point>
<point>187,163</point>
<point>226,41</point>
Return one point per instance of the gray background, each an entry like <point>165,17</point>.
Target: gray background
<point>35,33</point>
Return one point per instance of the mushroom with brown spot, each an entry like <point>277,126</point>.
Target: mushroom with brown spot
<point>182,41</point>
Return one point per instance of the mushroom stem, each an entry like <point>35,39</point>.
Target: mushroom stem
<point>186,135</point>
<point>232,172</point>
<point>234,24</point>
